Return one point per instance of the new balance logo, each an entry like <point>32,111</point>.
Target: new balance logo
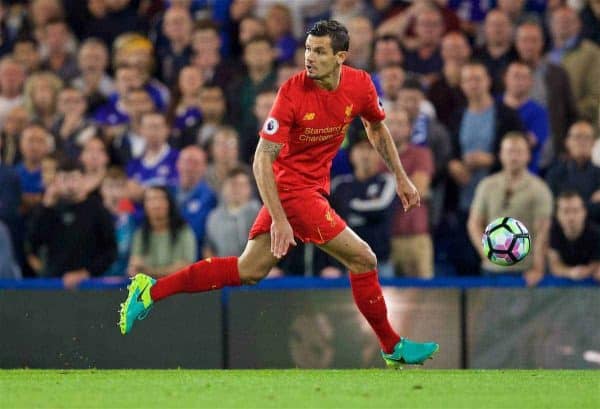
<point>309,116</point>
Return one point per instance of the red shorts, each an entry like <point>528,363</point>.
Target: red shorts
<point>311,216</point>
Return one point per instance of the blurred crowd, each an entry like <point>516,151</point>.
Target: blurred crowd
<point>128,127</point>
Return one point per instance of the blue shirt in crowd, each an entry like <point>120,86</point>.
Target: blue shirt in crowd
<point>31,182</point>
<point>195,205</point>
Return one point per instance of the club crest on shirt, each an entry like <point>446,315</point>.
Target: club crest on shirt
<point>271,126</point>
<point>309,116</point>
<point>348,110</point>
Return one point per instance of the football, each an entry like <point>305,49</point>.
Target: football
<point>506,241</point>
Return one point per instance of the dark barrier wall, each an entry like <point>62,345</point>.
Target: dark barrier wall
<point>541,328</point>
<point>58,329</point>
<point>323,328</point>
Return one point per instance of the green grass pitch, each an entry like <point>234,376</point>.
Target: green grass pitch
<point>295,388</point>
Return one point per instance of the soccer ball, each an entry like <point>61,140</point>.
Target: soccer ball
<point>506,241</point>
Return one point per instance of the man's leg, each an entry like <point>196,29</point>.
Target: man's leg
<point>359,259</point>
<point>205,275</point>
<point>218,272</point>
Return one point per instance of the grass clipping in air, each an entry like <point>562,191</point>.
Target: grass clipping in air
<point>298,388</point>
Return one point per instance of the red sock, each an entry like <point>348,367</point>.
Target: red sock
<point>369,300</point>
<point>205,275</point>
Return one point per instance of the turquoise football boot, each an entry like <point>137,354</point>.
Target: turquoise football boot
<point>138,302</point>
<point>410,353</point>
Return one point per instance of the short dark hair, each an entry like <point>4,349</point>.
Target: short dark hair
<point>412,84</point>
<point>259,39</point>
<point>340,39</point>
<point>236,171</point>
<point>569,194</point>
<point>515,135</point>
<point>388,38</point>
<point>69,165</point>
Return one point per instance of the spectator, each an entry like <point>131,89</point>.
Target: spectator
<point>278,21</point>
<point>445,93</point>
<point>412,248</point>
<point>41,97</point>
<point>387,50</point>
<point>72,129</point>
<point>590,18</point>
<point>184,113</point>
<point>497,50</point>
<point>249,139</point>
<point>10,201</point>
<point>177,52</point>
<point>157,165</point>
<point>15,122</point>
<point>259,57</point>
<point>425,59</point>
<point>360,28</point>
<point>193,195</point>
<point>577,172</point>
<point>107,20</point>
<point>428,132</point>
<point>579,57</point>
<point>94,158</point>
<point>390,77</point>
<point>49,168</point>
<point>366,199</point>
<point>56,42</point>
<point>344,10</point>
<point>516,192</point>
<point>205,37</point>
<point>164,243</point>
<point>213,108</point>
<point>35,144</point>
<point>515,10</point>
<point>551,86</point>
<point>574,241</point>
<point>476,132</point>
<point>43,11</point>
<point>93,81</point>
<point>114,195</point>
<point>25,52</point>
<point>250,27</point>
<point>67,215</point>
<point>519,81</point>
<point>228,225</point>
<point>9,269</point>
<point>113,113</point>
<point>225,156</point>
<point>136,51</point>
<point>12,78</point>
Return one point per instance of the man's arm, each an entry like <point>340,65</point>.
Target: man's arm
<point>540,246</point>
<point>379,135</point>
<point>559,269</point>
<point>281,230</point>
<point>475,227</point>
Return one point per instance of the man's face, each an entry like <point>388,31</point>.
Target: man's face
<point>212,102</point>
<point>26,53</point>
<point>35,144</point>
<point>514,154</point>
<point>474,81</point>
<point>154,129</point>
<point>399,124</point>
<point>249,28</point>
<point>71,101</point>
<point>191,166</point>
<point>564,24</point>
<point>126,80</point>
<point>137,103</point>
<point>391,81</point>
<point>56,36</point>
<point>571,214</point>
<point>361,31</point>
<point>497,28</point>
<point>92,58</point>
<point>225,148</point>
<point>580,141</point>
<point>410,100</point>
<point>429,27</point>
<point>364,158</point>
<point>387,52</point>
<point>529,43</point>
<point>15,121</point>
<point>259,55</point>
<point>177,24</point>
<point>70,184</point>
<point>319,59</point>
<point>12,76</point>
<point>455,49</point>
<point>237,190</point>
<point>205,40</point>
<point>519,80</point>
<point>94,155</point>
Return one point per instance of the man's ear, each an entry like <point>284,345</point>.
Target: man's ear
<point>341,56</point>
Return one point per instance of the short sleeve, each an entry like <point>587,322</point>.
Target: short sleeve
<point>425,162</point>
<point>479,204</point>
<point>279,122</point>
<point>372,109</point>
<point>544,202</point>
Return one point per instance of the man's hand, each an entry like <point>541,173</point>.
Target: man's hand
<point>282,236</point>
<point>72,279</point>
<point>579,273</point>
<point>408,193</point>
<point>533,277</point>
<point>478,159</point>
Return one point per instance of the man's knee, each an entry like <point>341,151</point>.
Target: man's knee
<point>364,260</point>
<point>251,272</point>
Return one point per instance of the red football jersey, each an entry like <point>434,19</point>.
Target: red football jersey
<point>311,123</point>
